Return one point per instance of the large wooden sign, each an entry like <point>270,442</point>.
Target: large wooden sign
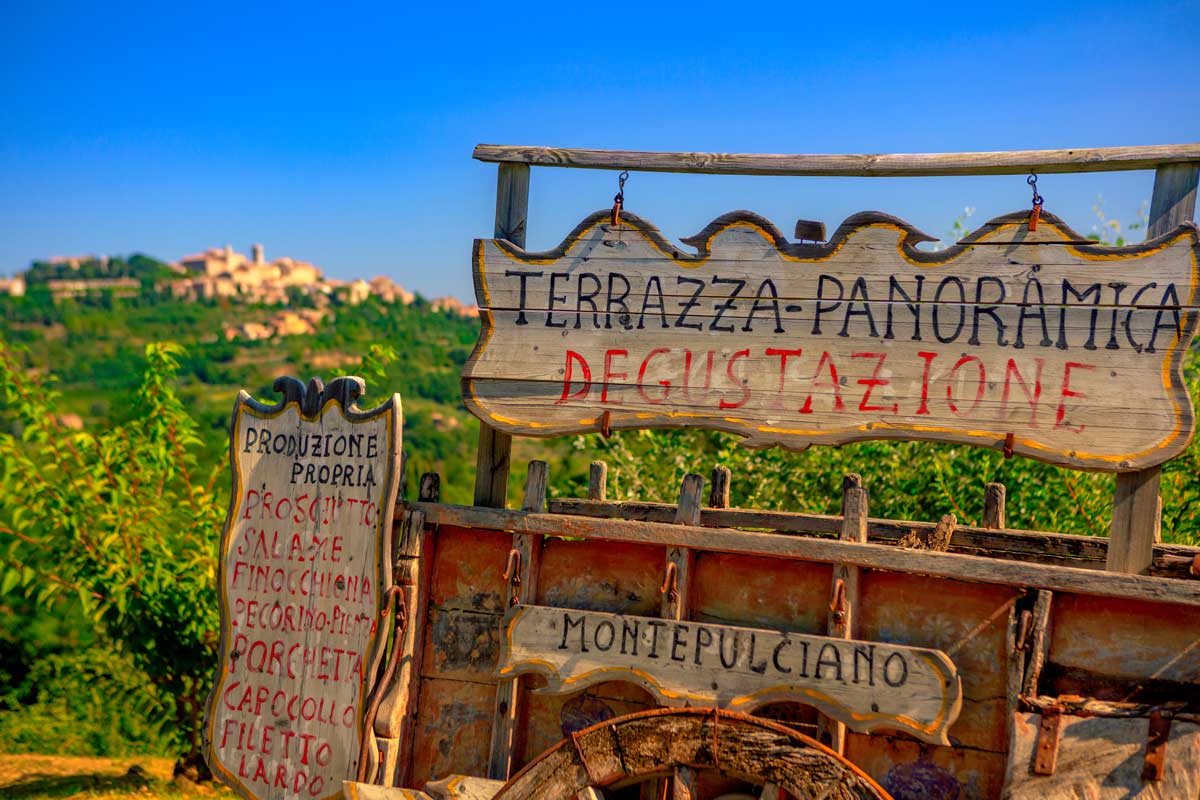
<point>304,567</point>
<point>1037,342</point>
<point>867,685</point>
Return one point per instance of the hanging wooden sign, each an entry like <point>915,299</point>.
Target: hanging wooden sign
<point>303,571</point>
<point>1037,342</point>
<point>866,685</point>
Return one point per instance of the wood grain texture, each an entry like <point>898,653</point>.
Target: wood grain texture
<point>845,592</point>
<point>641,747</point>
<point>597,481</point>
<point>866,685</point>
<point>1012,162</point>
<point>1074,352</point>
<point>1102,758</point>
<point>506,731</point>
<point>1021,545</point>
<point>872,556</point>
<point>495,447</point>
<point>463,787</point>
<point>1137,507</point>
<point>993,506</point>
<point>718,495</point>
<point>305,561</point>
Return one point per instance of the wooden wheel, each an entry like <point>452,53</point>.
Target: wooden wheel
<point>677,743</point>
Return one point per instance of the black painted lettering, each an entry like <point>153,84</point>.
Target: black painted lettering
<point>831,657</point>
<point>913,304</point>
<point>523,277</point>
<point>588,297</point>
<point>655,285</point>
<point>555,298</point>
<point>729,304</point>
<point>939,306</point>
<point>1068,289</point>
<point>624,319</point>
<point>901,672</point>
<point>989,310</point>
<point>570,624</point>
<point>690,303</point>
<point>858,297</point>
<point>864,656</point>
<point>828,307</point>
<point>766,290</point>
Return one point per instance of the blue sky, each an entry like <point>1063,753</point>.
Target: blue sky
<point>342,133</point>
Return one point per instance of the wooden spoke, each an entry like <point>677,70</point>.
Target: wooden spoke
<point>679,742</point>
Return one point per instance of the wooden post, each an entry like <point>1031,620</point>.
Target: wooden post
<point>1136,516</point>
<point>597,481</point>
<point>495,447</point>
<point>994,497</point>
<point>506,738</point>
<point>678,575</point>
<point>844,598</point>
<point>718,494</point>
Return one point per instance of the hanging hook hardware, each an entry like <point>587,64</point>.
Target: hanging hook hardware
<point>619,198</point>
<point>1036,213</point>
<point>512,574</point>
<point>670,585</point>
<point>839,605</point>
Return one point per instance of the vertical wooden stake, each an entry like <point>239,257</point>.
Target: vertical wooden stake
<point>718,494</point>
<point>1135,519</point>
<point>495,447</point>
<point>678,568</point>
<point>417,599</point>
<point>994,496</point>
<point>597,481</point>
<point>507,740</point>
<point>844,597</point>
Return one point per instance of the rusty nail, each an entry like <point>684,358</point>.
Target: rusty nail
<point>606,424</point>
<point>1009,438</point>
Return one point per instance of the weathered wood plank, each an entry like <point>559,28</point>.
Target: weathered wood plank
<point>677,581</point>
<point>312,587</point>
<point>1137,509</point>
<point>352,790</point>
<point>644,746</point>
<point>718,495</point>
<point>1012,162</point>
<point>598,481</point>
<point>845,592</point>
<point>873,556</point>
<point>993,506</point>
<point>463,787</point>
<point>522,588</point>
<point>1078,362</point>
<point>1106,756</point>
<point>495,447</point>
<point>1038,642</point>
<point>1041,546</point>
<point>866,685</point>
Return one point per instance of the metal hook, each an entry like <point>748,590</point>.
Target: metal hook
<point>1036,213</point>
<point>619,198</point>
<point>512,574</point>
<point>838,606</point>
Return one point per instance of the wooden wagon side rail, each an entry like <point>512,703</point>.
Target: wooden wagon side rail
<point>1015,544</point>
<point>1013,162</point>
<point>871,556</point>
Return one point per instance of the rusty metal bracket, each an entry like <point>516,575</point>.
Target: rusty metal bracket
<point>1010,437</point>
<point>1156,746</point>
<point>512,575</point>
<point>670,584</point>
<point>1195,568</point>
<point>1049,735</point>
<point>606,424</point>
<point>839,605</point>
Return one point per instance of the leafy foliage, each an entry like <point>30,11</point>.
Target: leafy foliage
<point>124,521</point>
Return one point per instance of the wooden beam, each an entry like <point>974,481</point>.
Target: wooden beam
<point>1044,547</point>
<point>507,741</point>
<point>718,494</point>
<point>1012,162</point>
<point>678,568</point>
<point>873,556</point>
<point>598,481</point>
<point>994,496</point>
<point>845,592</point>
<point>1137,515</point>
<point>495,447</point>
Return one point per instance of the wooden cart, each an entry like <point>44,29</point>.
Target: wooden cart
<point>910,659</point>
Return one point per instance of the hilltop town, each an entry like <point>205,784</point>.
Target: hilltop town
<point>299,287</point>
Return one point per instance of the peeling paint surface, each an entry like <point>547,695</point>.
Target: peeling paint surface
<point>601,576</point>
<point>761,592</point>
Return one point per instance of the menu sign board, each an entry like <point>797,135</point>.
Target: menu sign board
<point>304,567</point>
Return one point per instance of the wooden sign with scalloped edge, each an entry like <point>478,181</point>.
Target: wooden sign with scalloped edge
<point>867,685</point>
<point>304,568</point>
<point>1040,342</point>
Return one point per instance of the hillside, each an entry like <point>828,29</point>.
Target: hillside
<point>94,347</point>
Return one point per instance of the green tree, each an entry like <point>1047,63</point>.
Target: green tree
<point>125,521</point>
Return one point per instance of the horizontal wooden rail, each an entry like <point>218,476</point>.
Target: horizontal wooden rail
<point>872,556</point>
<point>1070,550</point>
<point>1012,162</point>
